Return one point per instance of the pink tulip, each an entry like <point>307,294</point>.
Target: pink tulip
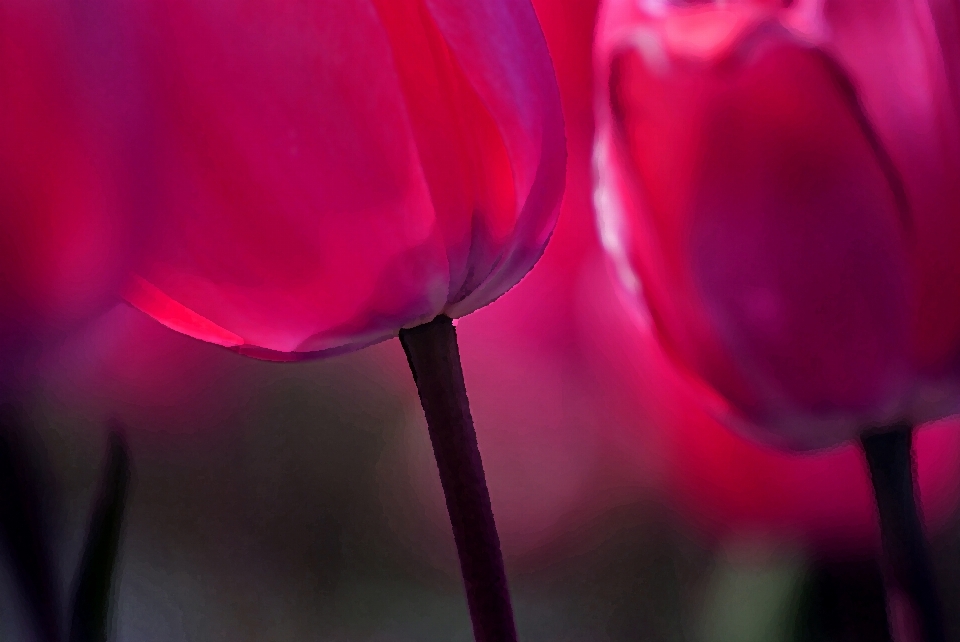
<point>726,486</point>
<point>330,172</point>
<point>782,181</point>
<point>338,172</point>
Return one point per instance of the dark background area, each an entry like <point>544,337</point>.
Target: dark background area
<point>288,502</point>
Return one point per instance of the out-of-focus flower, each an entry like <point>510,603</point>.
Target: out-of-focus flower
<point>731,488</point>
<point>329,172</point>
<point>781,181</point>
<point>63,243</point>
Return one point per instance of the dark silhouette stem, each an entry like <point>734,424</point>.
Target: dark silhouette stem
<point>907,556</point>
<point>844,600</point>
<point>22,524</point>
<point>91,618</point>
<point>435,361</point>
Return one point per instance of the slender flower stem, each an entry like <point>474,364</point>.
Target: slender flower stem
<point>844,600</point>
<point>22,529</point>
<point>435,361</point>
<point>90,621</point>
<point>890,459</point>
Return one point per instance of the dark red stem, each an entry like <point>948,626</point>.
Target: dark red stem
<point>435,361</point>
<point>23,531</point>
<point>907,556</point>
<point>91,619</point>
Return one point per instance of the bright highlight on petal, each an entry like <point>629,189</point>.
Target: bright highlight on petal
<point>152,301</point>
<point>330,172</point>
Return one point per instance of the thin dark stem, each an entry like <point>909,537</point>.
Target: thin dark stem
<point>435,361</point>
<point>90,621</point>
<point>22,527</point>
<point>890,459</point>
<point>844,600</point>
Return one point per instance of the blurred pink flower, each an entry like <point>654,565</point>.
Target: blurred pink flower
<point>330,172</point>
<point>727,486</point>
<point>782,181</point>
<point>63,244</point>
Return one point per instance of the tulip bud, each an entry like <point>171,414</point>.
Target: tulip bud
<point>782,196</point>
<point>332,172</point>
<point>781,182</point>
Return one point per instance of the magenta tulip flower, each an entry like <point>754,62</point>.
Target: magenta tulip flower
<point>782,181</point>
<point>334,173</point>
<point>331,172</point>
<point>787,198</point>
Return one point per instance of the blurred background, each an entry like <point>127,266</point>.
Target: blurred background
<point>300,501</point>
<point>280,502</point>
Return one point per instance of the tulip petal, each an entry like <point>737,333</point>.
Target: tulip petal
<point>61,251</point>
<point>502,52</point>
<point>797,242</point>
<point>780,224</point>
<point>332,171</point>
<point>287,172</point>
<point>901,55</point>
